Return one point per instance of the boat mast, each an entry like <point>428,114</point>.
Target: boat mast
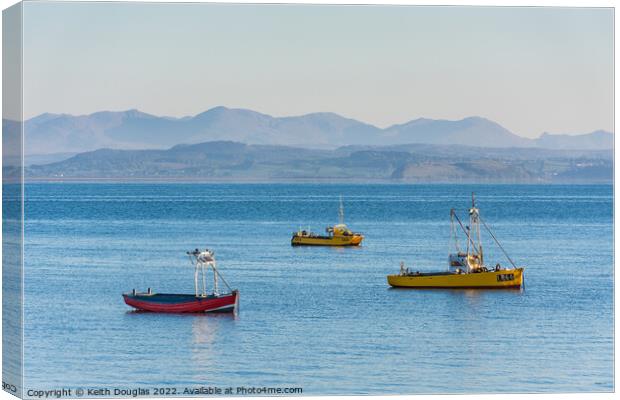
<point>196,271</point>
<point>341,212</point>
<point>474,223</point>
<point>215,289</point>
<point>453,232</point>
<point>193,259</point>
<point>204,281</point>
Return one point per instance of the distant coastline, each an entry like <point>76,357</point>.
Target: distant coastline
<point>227,162</point>
<point>240,145</point>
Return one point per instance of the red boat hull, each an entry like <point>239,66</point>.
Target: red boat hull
<point>182,303</point>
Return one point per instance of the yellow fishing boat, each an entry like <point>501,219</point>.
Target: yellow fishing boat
<point>466,269</point>
<point>337,235</point>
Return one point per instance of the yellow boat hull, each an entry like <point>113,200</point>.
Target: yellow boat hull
<point>332,241</point>
<point>504,279</point>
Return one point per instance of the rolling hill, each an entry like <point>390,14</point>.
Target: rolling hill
<point>233,161</point>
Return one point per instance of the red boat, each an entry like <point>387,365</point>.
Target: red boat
<point>200,301</point>
<point>182,303</point>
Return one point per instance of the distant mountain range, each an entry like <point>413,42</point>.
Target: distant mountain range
<point>232,161</point>
<point>63,133</point>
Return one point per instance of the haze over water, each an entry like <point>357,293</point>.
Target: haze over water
<point>323,319</point>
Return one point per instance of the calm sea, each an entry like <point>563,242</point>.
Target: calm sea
<point>322,319</point>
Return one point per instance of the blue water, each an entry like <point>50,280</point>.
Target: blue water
<point>322,319</point>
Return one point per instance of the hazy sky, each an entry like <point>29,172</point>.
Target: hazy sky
<point>530,69</point>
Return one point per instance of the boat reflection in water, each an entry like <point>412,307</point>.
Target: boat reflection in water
<point>205,328</point>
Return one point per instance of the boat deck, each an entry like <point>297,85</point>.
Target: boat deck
<point>441,273</point>
<point>313,237</point>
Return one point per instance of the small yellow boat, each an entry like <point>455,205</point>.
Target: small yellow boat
<point>337,235</point>
<point>466,269</point>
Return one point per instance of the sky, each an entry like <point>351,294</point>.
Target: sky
<point>531,69</point>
